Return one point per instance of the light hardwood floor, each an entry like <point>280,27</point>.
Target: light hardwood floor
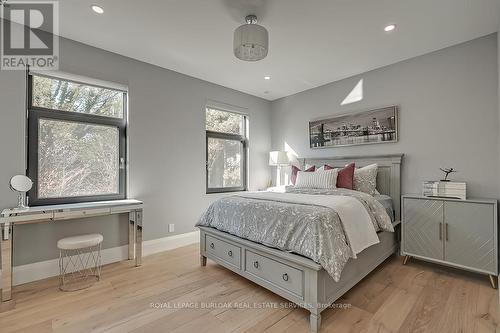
<point>418,297</point>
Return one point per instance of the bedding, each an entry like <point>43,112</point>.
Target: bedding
<point>365,179</point>
<point>345,177</point>
<point>295,171</point>
<point>386,202</point>
<point>317,224</point>
<point>326,179</point>
<point>371,203</point>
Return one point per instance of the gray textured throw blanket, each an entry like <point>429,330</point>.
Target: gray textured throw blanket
<point>313,231</point>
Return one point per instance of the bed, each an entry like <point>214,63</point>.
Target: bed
<point>295,276</point>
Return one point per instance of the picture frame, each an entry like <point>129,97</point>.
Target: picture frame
<point>356,128</point>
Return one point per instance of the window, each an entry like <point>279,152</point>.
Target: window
<point>226,151</point>
<point>76,141</point>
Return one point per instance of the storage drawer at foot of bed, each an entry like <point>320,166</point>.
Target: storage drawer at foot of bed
<point>276,273</point>
<point>227,252</point>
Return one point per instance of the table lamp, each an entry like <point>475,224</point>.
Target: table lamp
<point>278,159</point>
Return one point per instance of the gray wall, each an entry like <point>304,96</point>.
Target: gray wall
<point>449,115</point>
<point>167,147</point>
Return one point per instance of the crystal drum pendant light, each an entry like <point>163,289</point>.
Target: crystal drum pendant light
<point>251,41</point>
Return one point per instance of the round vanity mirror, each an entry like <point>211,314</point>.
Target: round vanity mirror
<point>21,184</point>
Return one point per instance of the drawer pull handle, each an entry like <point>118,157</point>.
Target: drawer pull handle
<point>256,264</point>
<point>230,253</point>
<point>212,245</point>
<point>285,277</point>
<point>440,231</point>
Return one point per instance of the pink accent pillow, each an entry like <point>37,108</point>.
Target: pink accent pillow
<point>345,177</point>
<point>295,170</point>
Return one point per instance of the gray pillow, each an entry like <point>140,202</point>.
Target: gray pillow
<point>365,179</point>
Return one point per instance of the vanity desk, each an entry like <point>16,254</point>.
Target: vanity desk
<point>43,214</point>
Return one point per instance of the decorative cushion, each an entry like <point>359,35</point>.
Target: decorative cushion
<point>326,179</point>
<point>365,179</point>
<point>295,170</point>
<point>345,177</point>
<point>79,242</point>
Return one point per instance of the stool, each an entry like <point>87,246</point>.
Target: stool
<point>79,261</point>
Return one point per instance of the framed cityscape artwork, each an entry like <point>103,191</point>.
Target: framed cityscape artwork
<point>357,128</point>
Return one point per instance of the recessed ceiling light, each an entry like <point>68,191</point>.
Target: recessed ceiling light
<point>267,78</point>
<point>390,28</point>
<point>97,9</point>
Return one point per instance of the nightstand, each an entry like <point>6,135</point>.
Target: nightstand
<point>458,233</point>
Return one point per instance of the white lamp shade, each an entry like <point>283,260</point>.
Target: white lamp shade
<point>251,42</point>
<point>278,158</point>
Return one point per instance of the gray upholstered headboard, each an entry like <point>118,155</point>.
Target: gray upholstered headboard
<point>388,178</point>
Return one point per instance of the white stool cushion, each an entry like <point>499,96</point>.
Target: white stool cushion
<point>79,242</point>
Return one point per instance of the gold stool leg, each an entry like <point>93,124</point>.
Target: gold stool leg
<point>492,281</point>
<point>405,260</point>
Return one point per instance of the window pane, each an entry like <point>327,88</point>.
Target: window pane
<point>224,163</point>
<point>225,122</point>
<point>64,95</point>
<point>77,159</point>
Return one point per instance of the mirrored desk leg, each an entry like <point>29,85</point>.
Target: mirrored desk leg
<point>138,237</point>
<point>131,235</point>
<point>6,248</point>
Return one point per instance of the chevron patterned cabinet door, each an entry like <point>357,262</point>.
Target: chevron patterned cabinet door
<point>471,235</point>
<point>423,228</point>
<point>453,232</point>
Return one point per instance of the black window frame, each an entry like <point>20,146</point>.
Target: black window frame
<point>243,139</point>
<point>35,113</point>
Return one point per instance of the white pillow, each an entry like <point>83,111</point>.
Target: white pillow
<point>325,179</point>
<point>365,179</point>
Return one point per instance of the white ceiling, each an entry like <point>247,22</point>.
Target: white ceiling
<point>312,42</point>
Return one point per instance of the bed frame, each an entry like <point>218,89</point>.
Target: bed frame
<point>294,277</point>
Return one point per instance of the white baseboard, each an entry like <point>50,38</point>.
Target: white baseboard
<point>44,269</point>
<point>169,243</point>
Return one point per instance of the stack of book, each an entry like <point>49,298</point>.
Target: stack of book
<point>450,189</point>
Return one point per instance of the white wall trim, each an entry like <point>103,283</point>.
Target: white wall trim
<point>210,103</point>
<point>48,268</point>
<point>169,243</point>
<point>80,78</point>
